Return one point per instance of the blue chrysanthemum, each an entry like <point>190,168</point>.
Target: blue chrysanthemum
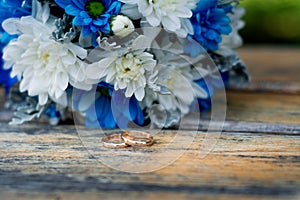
<point>8,9</point>
<point>53,114</point>
<point>14,8</point>
<point>5,78</point>
<point>209,23</point>
<point>91,15</point>
<point>111,109</point>
<point>210,85</point>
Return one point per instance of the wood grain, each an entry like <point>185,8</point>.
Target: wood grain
<point>255,112</point>
<point>52,163</point>
<point>273,69</point>
<point>244,127</point>
<point>276,63</point>
<point>263,107</point>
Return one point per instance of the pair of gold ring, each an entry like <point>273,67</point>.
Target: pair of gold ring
<point>128,138</point>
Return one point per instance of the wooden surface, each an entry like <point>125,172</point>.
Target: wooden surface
<point>257,156</point>
<point>273,69</point>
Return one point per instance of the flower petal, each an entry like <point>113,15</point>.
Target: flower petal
<point>72,10</point>
<point>131,11</point>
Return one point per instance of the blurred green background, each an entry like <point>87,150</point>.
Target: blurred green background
<point>272,21</point>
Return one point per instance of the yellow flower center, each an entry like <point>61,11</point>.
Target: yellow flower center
<point>45,57</point>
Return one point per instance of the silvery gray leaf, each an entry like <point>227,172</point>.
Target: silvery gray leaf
<point>232,62</point>
<point>65,32</point>
<point>224,2</point>
<point>27,112</point>
<point>241,75</point>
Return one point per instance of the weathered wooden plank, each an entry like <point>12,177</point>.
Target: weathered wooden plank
<point>263,107</point>
<point>273,87</point>
<point>272,63</point>
<point>272,69</point>
<point>243,127</point>
<point>254,112</point>
<point>52,162</point>
<point>96,195</point>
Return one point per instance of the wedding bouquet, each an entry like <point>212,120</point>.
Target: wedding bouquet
<point>118,62</point>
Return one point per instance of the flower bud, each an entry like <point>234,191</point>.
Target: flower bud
<point>121,26</point>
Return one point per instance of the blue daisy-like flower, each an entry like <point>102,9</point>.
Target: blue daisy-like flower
<point>14,8</point>
<point>91,15</point>
<point>210,85</point>
<point>210,22</point>
<point>8,9</point>
<point>5,78</point>
<point>53,114</point>
<point>111,109</point>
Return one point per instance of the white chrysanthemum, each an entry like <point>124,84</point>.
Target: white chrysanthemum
<point>179,83</point>
<point>44,66</point>
<point>171,88</point>
<point>166,109</point>
<point>125,70</point>
<point>173,15</point>
<point>179,93</point>
<point>234,40</point>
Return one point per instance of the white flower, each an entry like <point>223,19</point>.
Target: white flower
<point>44,66</point>
<point>234,40</point>
<point>180,92</point>
<point>173,15</point>
<point>171,89</point>
<point>121,26</point>
<point>166,109</point>
<point>125,69</point>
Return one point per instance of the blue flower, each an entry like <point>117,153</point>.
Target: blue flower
<point>209,23</point>
<point>5,78</point>
<point>91,15</point>
<point>53,114</point>
<point>210,85</point>
<point>8,9</point>
<point>14,8</point>
<point>111,109</point>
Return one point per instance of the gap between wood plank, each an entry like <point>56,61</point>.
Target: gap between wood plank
<point>247,127</point>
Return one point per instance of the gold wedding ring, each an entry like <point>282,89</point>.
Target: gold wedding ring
<point>137,138</point>
<point>114,141</point>
<point>128,138</point>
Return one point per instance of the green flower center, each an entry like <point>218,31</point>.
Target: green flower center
<point>94,8</point>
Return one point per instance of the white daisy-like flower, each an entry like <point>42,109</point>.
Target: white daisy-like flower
<point>234,40</point>
<point>173,90</point>
<point>173,15</point>
<point>125,69</point>
<point>45,67</point>
<point>166,109</point>
<point>176,76</point>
